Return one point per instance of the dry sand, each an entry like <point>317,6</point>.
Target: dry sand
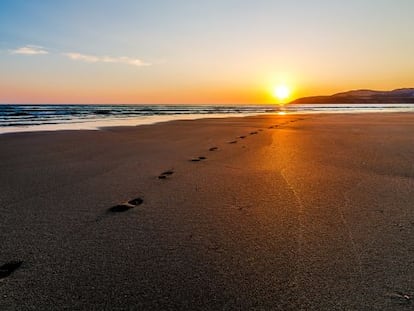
<point>316,213</point>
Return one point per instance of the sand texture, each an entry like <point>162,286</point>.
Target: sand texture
<point>306,212</point>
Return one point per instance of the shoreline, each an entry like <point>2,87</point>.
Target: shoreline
<point>96,124</point>
<point>272,211</point>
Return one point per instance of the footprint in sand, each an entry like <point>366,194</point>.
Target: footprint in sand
<point>400,298</point>
<point>126,206</point>
<point>213,149</point>
<point>233,142</point>
<point>253,133</point>
<point>8,268</point>
<point>165,174</point>
<point>198,159</point>
<point>242,137</point>
<point>136,202</point>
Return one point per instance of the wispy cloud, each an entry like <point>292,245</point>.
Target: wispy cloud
<point>39,50</point>
<point>106,59</point>
<point>30,50</point>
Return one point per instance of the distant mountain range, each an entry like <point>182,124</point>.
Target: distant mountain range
<point>362,97</point>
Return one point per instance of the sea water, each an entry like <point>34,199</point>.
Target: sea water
<point>18,118</point>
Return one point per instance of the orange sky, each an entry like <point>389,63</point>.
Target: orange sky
<point>192,52</point>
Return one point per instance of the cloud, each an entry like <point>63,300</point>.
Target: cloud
<point>106,59</point>
<point>30,50</point>
<point>39,50</point>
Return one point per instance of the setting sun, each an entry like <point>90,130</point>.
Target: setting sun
<point>281,92</point>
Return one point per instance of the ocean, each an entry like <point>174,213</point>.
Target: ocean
<point>20,118</point>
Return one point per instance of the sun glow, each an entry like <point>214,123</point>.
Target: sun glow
<point>281,92</point>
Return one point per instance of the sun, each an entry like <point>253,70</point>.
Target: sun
<point>281,92</point>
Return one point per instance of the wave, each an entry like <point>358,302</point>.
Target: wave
<point>30,115</point>
<point>43,114</point>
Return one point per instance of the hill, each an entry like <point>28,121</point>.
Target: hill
<point>361,97</point>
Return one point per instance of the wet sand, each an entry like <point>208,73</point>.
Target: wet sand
<point>309,212</point>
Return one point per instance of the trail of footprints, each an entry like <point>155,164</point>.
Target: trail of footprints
<point>8,268</point>
<point>123,207</point>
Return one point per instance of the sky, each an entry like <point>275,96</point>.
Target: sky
<point>200,52</point>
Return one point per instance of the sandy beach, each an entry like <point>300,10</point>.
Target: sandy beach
<point>278,212</point>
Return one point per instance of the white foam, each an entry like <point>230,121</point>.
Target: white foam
<point>97,124</point>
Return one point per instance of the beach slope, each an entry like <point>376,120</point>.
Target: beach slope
<point>305,212</point>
